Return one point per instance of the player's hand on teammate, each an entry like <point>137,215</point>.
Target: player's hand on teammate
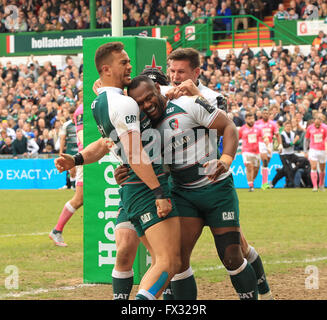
<point>121,174</point>
<point>214,168</point>
<point>186,88</point>
<point>163,207</point>
<point>64,162</point>
<point>96,85</point>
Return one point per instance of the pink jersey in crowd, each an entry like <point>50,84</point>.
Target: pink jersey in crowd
<point>317,136</point>
<point>250,138</point>
<point>78,119</point>
<point>269,129</point>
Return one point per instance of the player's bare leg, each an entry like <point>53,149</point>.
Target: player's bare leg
<point>68,210</point>
<point>264,170</point>
<point>314,175</point>
<point>322,176</point>
<point>167,259</point>
<point>249,175</point>
<point>127,243</point>
<point>243,278</point>
<point>183,285</point>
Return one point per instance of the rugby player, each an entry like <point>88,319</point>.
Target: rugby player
<point>184,70</point>
<point>145,195</point>
<point>77,201</point>
<point>208,196</point>
<point>315,137</point>
<point>269,130</point>
<point>250,134</point>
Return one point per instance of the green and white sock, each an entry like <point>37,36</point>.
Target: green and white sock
<point>144,295</point>
<point>244,281</point>
<point>184,286</point>
<point>122,284</point>
<point>254,259</point>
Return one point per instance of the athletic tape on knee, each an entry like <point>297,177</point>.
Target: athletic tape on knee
<point>183,275</point>
<point>252,255</point>
<point>222,241</point>
<point>122,274</point>
<point>159,283</point>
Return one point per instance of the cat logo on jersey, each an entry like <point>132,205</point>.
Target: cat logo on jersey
<point>173,123</point>
<point>205,104</point>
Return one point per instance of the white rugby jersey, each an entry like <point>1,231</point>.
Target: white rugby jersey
<point>116,115</point>
<point>186,146</point>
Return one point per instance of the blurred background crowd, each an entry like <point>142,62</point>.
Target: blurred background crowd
<point>36,99</point>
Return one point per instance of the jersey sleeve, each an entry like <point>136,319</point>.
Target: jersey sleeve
<point>307,134</point>
<point>126,117</point>
<point>63,129</point>
<point>203,112</point>
<point>240,132</point>
<point>275,128</point>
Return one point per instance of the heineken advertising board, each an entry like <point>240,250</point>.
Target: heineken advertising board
<point>101,197</point>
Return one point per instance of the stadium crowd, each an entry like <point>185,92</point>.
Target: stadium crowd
<point>35,99</point>
<point>47,15</point>
<point>60,15</point>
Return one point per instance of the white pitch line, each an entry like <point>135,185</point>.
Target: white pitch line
<point>41,290</point>
<point>23,234</point>
<point>265,262</point>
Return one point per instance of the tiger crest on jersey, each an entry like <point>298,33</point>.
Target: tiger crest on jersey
<point>173,123</point>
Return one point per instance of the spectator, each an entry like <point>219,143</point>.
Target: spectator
<point>188,9</point>
<point>184,19</point>
<point>281,14</point>
<point>32,146</point>
<point>245,52</point>
<point>287,156</point>
<point>311,12</point>
<point>19,145</point>
<point>241,8</point>
<point>145,20</point>
<point>6,146</point>
<point>293,15</point>
<point>322,10</point>
<point>256,8</point>
<point>316,41</point>
<point>218,27</point>
<point>68,23</point>
<point>225,11</point>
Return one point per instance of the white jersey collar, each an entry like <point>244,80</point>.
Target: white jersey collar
<point>117,90</point>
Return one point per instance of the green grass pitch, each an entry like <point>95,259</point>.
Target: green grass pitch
<point>284,225</point>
